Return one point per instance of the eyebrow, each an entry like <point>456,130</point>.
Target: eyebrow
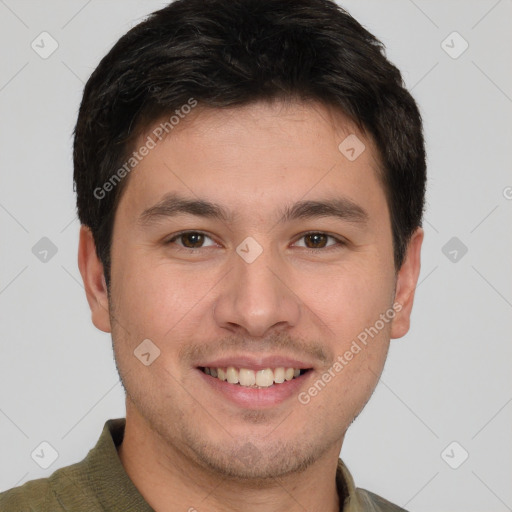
<point>172,204</point>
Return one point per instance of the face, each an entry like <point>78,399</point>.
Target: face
<point>286,267</point>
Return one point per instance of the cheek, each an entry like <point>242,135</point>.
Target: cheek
<point>351,297</point>
<point>157,299</point>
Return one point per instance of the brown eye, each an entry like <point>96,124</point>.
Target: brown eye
<point>316,240</point>
<point>192,240</point>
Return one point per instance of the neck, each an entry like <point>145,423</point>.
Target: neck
<point>168,480</point>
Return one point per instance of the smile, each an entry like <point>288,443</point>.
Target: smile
<point>246,377</point>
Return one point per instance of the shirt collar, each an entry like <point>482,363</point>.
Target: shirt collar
<point>101,477</point>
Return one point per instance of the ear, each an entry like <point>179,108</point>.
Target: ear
<point>93,277</point>
<point>407,280</point>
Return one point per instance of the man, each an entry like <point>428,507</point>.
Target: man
<point>250,179</point>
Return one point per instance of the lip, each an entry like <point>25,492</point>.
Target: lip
<point>255,398</point>
<point>253,363</point>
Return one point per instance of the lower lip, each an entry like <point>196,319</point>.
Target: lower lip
<point>256,398</point>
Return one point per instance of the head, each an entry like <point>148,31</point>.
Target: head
<point>278,136</point>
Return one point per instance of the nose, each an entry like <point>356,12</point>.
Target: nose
<point>256,297</point>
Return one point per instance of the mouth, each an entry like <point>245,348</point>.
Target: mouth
<point>255,381</point>
<point>254,378</point>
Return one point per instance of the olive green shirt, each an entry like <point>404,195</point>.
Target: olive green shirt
<point>99,483</point>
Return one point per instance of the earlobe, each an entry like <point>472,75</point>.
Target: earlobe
<point>406,283</point>
<point>93,277</point>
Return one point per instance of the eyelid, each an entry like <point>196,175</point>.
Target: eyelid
<point>176,236</point>
<point>340,241</point>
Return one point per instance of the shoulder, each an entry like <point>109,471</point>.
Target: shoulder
<point>370,502</point>
<point>75,487</point>
<point>33,496</point>
<point>66,487</point>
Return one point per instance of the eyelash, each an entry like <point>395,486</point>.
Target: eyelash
<point>339,242</point>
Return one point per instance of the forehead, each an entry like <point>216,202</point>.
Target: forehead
<point>244,155</point>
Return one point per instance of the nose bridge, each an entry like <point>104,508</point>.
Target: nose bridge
<point>256,297</point>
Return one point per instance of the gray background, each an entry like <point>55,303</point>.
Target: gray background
<point>448,380</point>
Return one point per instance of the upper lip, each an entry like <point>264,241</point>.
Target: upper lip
<point>256,363</point>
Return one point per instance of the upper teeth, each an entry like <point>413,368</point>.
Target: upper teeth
<point>251,378</point>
